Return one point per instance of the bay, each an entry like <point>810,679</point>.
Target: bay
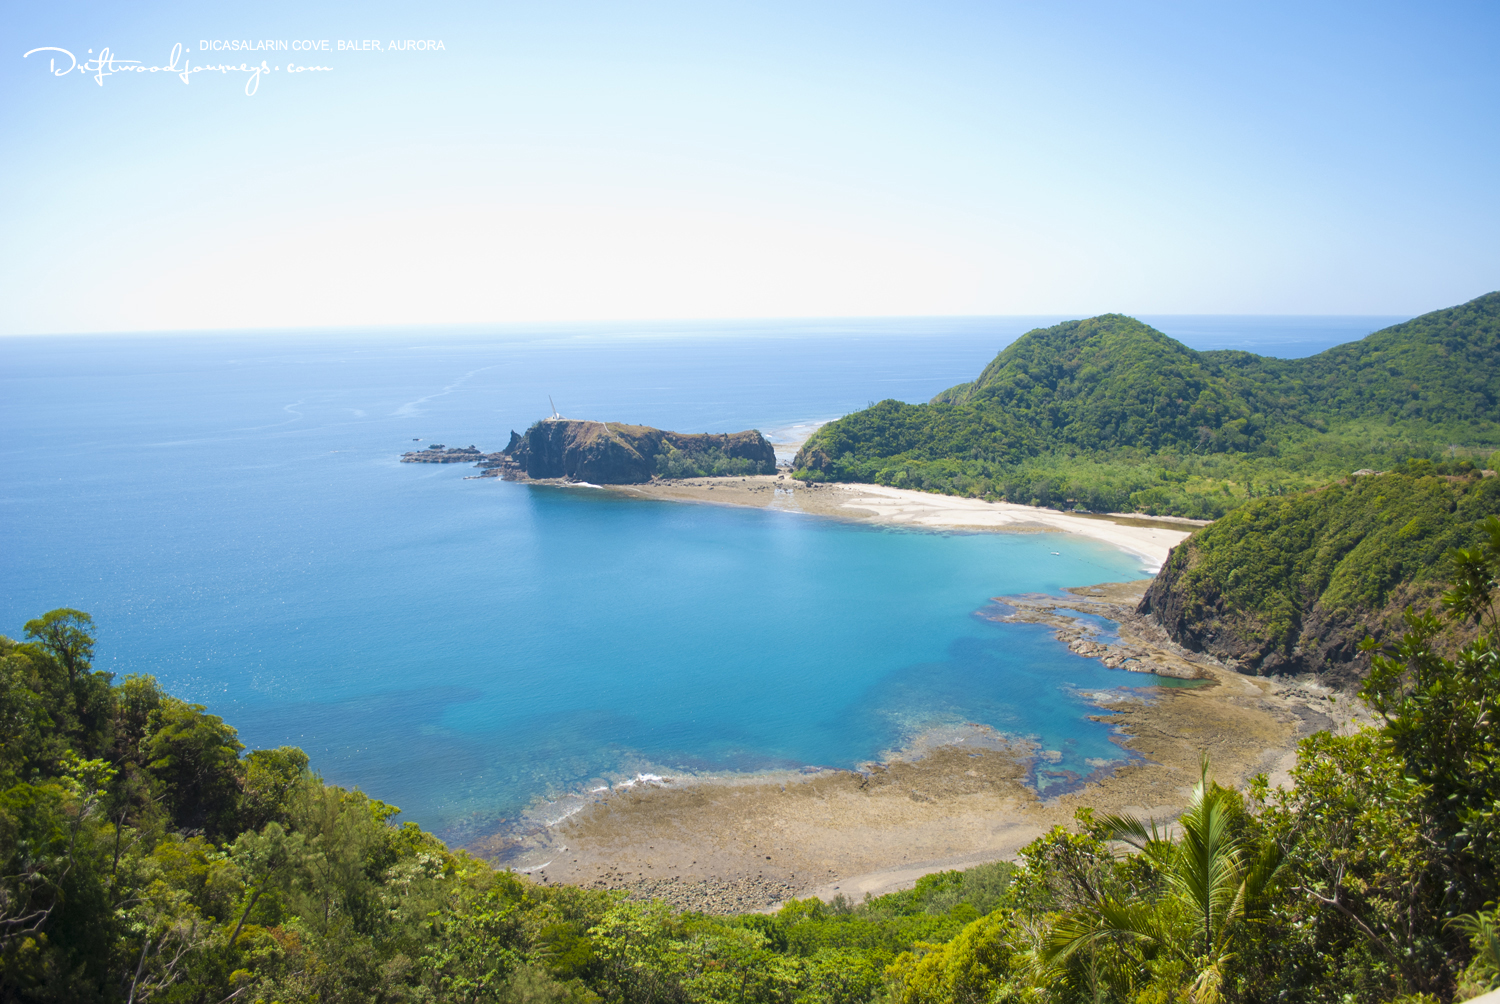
<point>231,510</point>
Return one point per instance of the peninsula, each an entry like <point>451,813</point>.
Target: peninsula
<point>612,453</point>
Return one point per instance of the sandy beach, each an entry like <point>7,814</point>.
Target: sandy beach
<point>1148,539</point>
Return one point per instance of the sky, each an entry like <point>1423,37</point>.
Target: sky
<point>574,161</point>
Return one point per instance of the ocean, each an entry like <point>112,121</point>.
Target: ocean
<point>231,510</point>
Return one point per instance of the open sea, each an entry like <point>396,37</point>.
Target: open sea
<point>231,510</point>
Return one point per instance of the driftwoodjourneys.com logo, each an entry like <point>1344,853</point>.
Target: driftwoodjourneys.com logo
<point>63,63</point>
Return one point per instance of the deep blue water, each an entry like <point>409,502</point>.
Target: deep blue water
<point>231,511</point>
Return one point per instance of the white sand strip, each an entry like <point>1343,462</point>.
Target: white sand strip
<point>902,505</point>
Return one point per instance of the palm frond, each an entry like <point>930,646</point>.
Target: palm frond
<point>1110,920</point>
<point>1149,837</point>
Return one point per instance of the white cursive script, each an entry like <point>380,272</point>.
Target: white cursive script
<point>106,65</point>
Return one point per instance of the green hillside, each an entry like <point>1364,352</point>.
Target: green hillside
<point>1110,414</point>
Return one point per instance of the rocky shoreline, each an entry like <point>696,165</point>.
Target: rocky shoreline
<point>494,464</point>
<point>1140,646</point>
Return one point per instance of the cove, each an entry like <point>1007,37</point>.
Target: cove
<point>572,637</point>
<point>233,514</point>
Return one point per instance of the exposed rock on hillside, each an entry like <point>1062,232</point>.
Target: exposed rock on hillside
<point>1293,584</point>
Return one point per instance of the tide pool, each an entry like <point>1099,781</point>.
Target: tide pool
<point>231,511</point>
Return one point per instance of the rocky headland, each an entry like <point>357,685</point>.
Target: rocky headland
<point>611,453</point>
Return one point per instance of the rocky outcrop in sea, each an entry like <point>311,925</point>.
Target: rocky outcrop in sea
<point>611,453</point>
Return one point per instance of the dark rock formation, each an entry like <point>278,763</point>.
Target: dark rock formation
<point>611,453</point>
<point>1323,639</point>
<point>436,454</point>
<point>1294,583</point>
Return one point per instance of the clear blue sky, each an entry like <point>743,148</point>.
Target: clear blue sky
<point>602,160</point>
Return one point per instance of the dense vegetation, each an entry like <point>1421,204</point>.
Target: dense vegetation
<point>1108,414</point>
<point>707,462</point>
<point>1295,583</point>
<point>146,857</point>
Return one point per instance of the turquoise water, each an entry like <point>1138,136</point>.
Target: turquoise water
<point>232,512</point>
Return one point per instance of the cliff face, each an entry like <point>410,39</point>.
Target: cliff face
<point>1202,616</point>
<point>611,453</point>
<point>1293,584</point>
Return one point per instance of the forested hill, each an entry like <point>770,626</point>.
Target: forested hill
<point>1118,380</point>
<point>1111,413</point>
<point>1112,381</point>
<point>1442,368</point>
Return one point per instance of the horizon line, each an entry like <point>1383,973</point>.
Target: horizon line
<point>469,326</point>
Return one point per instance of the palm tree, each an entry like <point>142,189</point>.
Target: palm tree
<point>1215,885</point>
